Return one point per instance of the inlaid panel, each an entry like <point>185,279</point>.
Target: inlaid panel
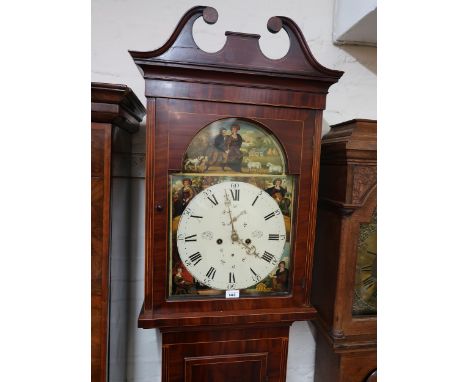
<point>227,368</point>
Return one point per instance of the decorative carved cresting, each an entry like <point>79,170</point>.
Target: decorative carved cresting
<point>364,179</point>
<point>182,50</point>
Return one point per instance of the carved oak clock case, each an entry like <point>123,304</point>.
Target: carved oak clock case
<point>233,146</point>
<point>345,263</point>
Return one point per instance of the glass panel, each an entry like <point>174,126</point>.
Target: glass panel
<point>231,214</point>
<point>365,288</point>
<point>184,188</point>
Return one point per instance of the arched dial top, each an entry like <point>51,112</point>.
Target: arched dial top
<point>231,236</point>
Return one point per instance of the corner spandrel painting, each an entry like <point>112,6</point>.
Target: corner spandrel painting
<point>234,145</point>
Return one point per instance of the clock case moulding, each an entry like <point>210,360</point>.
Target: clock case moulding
<point>186,89</point>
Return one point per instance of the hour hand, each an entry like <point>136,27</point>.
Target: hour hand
<point>234,219</point>
<point>242,213</point>
<point>234,236</point>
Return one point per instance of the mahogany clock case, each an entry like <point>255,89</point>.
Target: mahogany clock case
<point>115,114</point>
<point>343,364</point>
<point>346,233</point>
<point>187,89</point>
<point>347,200</point>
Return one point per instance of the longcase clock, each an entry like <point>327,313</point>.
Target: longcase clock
<point>115,114</point>
<point>233,146</point>
<point>345,263</point>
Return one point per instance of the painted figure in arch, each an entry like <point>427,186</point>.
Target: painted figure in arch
<point>216,153</point>
<point>232,146</point>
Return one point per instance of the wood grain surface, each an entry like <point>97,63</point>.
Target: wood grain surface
<point>187,89</point>
<point>112,106</point>
<point>346,348</point>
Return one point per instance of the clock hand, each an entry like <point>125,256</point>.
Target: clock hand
<point>249,249</point>
<point>234,235</point>
<point>234,219</point>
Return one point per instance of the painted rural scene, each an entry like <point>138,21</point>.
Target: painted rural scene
<point>184,187</point>
<point>234,145</point>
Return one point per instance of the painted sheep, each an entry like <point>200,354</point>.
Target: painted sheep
<point>273,168</point>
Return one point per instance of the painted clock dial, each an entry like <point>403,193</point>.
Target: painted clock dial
<point>231,235</point>
<point>240,158</point>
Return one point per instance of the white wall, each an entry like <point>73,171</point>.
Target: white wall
<point>355,22</point>
<point>122,25</point>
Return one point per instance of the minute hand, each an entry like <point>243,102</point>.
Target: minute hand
<point>234,235</point>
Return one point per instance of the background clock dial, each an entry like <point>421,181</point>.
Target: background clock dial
<point>231,236</point>
<point>365,289</point>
